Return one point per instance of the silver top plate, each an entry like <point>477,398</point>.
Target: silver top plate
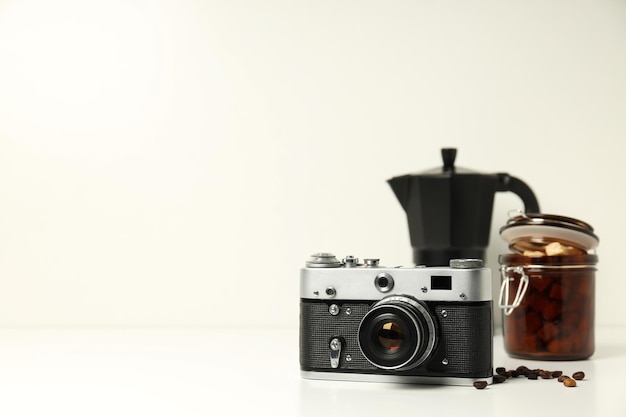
<point>360,283</point>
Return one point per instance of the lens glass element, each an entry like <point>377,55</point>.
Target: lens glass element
<point>391,336</point>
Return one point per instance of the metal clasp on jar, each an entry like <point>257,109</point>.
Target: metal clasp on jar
<point>503,302</point>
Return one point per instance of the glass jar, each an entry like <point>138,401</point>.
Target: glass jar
<point>551,315</point>
<point>548,287</point>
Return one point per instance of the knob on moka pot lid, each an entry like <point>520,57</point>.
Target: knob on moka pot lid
<point>534,232</point>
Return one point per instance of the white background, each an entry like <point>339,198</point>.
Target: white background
<point>175,162</point>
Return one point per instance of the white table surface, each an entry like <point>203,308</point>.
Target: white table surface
<point>255,372</point>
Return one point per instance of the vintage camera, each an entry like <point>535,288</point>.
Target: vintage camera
<point>364,322</point>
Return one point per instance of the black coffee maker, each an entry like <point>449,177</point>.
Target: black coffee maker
<point>449,209</point>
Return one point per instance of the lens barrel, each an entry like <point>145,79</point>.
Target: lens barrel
<point>398,333</point>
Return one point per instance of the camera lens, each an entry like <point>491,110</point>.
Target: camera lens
<point>398,333</point>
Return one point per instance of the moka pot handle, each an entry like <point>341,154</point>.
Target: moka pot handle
<point>523,191</point>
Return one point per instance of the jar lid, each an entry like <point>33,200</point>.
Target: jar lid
<point>534,231</point>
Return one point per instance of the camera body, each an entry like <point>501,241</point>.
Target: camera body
<point>364,322</point>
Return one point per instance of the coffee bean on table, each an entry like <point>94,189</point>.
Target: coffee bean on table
<point>498,379</point>
<point>545,374</point>
<point>480,384</point>
<point>578,375</point>
<point>569,382</point>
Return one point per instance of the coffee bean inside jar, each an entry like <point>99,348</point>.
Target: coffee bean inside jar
<point>548,299</point>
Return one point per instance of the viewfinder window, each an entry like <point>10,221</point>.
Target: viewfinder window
<point>440,282</point>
